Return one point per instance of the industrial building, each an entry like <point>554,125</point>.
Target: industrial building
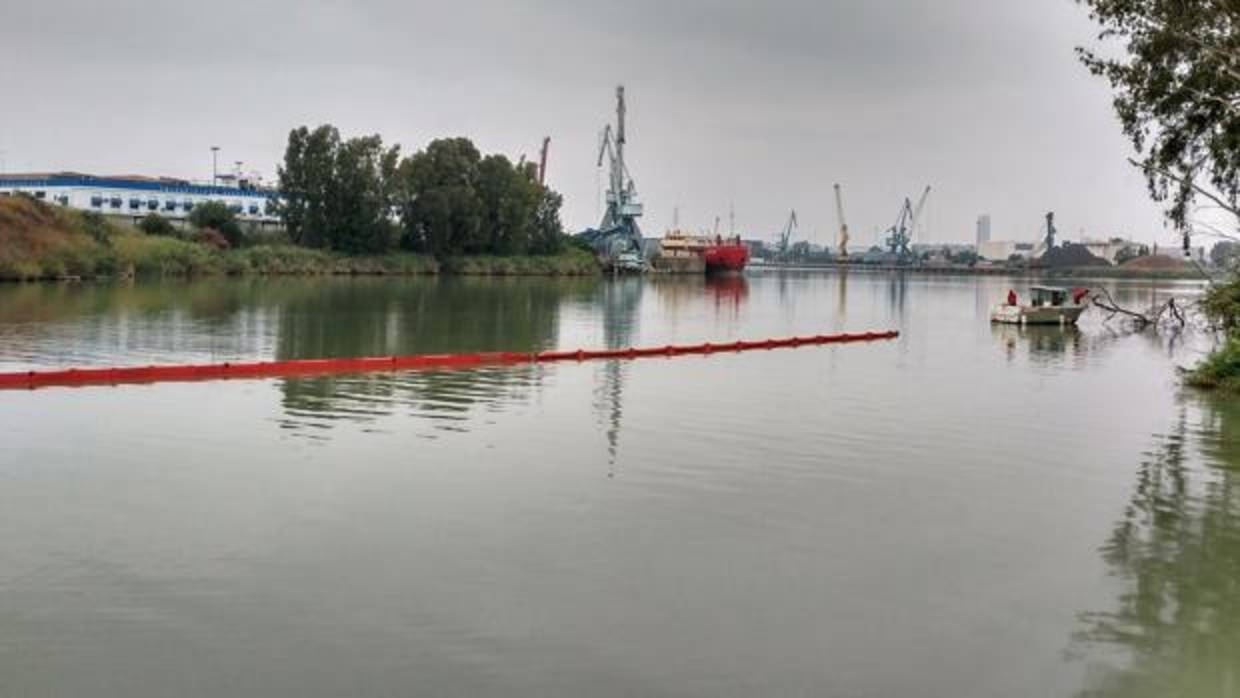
<point>983,229</point>
<point>133,197</point>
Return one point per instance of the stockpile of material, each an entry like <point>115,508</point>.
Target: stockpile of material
<point>1155,262</point>
<point>1070,255</point>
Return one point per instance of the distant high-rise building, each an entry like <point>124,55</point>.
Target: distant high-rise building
<point>983,228</point>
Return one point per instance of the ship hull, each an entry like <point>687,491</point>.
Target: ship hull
<point>725,258</point>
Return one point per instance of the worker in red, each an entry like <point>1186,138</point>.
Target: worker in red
<point>1011,299</point>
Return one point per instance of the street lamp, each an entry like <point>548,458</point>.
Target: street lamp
<point>215,149</point>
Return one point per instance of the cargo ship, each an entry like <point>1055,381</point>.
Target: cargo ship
<point>685,253</point>
<point>726,256</point>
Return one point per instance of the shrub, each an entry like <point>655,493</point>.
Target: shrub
<point>155,224</point>
<point>217,216</point>
<point>1221,369</point>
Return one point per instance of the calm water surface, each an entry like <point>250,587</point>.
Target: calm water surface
<point>966,511</point>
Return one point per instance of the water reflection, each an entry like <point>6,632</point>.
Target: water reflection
<point>620,303</point>
<point>1045,345</point>
<point>1175,555</point>
<point>60,325</point>
<point>729,292</point>
<point>430,316</point>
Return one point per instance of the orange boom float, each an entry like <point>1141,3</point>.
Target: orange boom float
<point>315,367</point>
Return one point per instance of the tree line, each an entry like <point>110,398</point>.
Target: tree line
<point>359,196</point>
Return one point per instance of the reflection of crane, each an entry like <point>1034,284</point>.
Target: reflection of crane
<point>542,161</point>
<point>785,237</point>
<point>839,213</point>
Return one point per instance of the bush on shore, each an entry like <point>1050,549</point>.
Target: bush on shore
<point>1220,370</point>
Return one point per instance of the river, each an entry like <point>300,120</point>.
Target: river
<point>964,511</point>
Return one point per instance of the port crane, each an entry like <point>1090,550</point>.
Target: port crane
<point>542,161</point>
<point>900,235</point>
<point>618,240</point>
<point>1047,242</point>
<point>785,236</point>
<point>839,213</point>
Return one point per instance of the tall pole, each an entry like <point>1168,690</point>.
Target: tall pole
<point>215,150</point>
<point>618,175</point>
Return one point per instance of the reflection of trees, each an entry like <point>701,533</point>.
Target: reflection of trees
<point>448,315</point>
<point>1176,554</point>
<point>137,322</point>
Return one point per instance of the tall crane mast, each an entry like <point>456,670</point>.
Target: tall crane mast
<point>785,237</point>
<point>921,204</point>
<point>839,213</point>
<point>542,161</point>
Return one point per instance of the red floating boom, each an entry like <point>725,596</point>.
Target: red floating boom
<point>316,367</point>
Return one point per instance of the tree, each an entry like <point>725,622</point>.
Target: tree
<point>215,215</point>
<point>1177,94</point>
<point>306,184</point>
<point>1126,254</point>
<point>548,234</point>
<point>510,199</point>
<point>155,224</point>
<point>361,197</point>
<point>1224,254</point>
<point>339,194</point>
<point>441,211</point>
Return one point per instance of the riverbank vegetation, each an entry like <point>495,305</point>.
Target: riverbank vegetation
<point>38,241</point>
<point>358,196</point>
<point>348,206</point>
<point>1174,66</point>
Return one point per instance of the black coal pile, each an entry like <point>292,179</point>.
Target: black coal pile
<point>1070,255</point>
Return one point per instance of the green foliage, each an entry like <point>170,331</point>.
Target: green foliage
<point>155,224</point>
<point>215,215</point>
<point>348,196</point>
<point>1222,305</point>
<point>1219,370</point>
<point>967,257</point>
<point>95,225</point>
<point>339,195</point>
<point>1177,94</point>
<point>1225,254</point>
<point>1129,253</point>
<point>442,212</point>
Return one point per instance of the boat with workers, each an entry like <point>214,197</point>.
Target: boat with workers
<point>1048,305</point>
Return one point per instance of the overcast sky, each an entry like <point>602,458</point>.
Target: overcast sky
<point>759,104</point>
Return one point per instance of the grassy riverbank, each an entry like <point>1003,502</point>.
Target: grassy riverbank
<point>38,241</point>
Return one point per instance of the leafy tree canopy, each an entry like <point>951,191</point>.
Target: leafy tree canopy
<point>1177,94</point>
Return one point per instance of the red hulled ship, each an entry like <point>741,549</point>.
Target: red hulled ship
<point>725,256</point>
<point>715,255</point>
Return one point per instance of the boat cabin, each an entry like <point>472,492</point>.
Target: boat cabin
<point>1044,296</point>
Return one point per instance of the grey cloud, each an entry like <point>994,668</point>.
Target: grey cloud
<point>763,105</point>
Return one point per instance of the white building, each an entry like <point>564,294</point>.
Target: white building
<point>1110,249</point>
<point>134,197</point>
<point>983,229</point>
<point>1001,250</point>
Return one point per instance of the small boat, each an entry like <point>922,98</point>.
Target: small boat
<point>1049,306</point>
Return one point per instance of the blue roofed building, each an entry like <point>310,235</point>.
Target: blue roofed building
<point>133,197</point>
